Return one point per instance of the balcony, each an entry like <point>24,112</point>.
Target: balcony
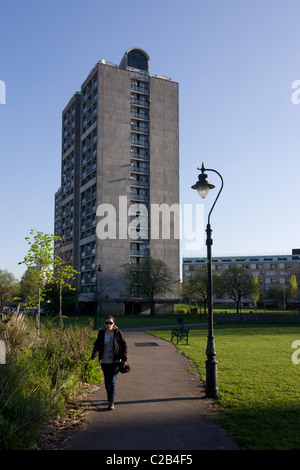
<point>140,141</point>
<point>138,183</point>
<point>139,101</point>
<point>142,155</point>
<point>139,115</point>
<point>139,197</point>
<point>138,169</point>
<point>136,128</point>
<point>136,252</point>
<point>141,88</point>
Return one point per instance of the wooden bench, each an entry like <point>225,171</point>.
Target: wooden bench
<point>181,333</point>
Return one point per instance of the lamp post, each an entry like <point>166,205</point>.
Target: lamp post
<point>203,186</point>
<point>264,278</point>
<point>97,312</point>
<point>283,287</point>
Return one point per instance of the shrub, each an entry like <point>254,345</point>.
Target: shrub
<point>22,408</point>
<point>39,376</point>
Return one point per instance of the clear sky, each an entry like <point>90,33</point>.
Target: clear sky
<point>235,62</point>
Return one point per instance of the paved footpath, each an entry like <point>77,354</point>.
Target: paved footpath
<point>160,405</point>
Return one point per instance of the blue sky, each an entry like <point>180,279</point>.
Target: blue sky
<point>235,62</point>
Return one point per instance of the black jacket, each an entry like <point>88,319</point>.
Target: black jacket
<point>120,346</point>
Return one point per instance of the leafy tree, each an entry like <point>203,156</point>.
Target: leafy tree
<point>237,284</point>
<point>29,285</point>
<point>152,277</point>
<point>196,287</point>
<point>275,294</point>
<point>8,285</point>
<point>294,287</point>
<point>40,258</point>
<point>64,275</point>
<point>199,284</point>
<point>188,291</point>
<point>51,298</point>
<point>255,290</point>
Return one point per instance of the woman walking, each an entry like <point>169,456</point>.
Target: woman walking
<point>111,348</point>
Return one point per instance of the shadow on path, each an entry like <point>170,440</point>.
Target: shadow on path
<point>160,405</point>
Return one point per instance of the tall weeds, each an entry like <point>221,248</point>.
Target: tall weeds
<point>39,376</point>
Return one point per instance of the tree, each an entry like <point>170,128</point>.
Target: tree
<point>51,299</point>
<point>63,276</point>
<point>196,287</point>
<point>255,290</point>
<point>294,288</point>
<point>8,285</point>
<point>29,285</point>
<point>152,277</point>
<point>40,258</point>
<point>188,291</point>
<point>199,284</point>
<point>237,284</point>
<point>275,295</point>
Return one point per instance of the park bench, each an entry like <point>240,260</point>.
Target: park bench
<point>181,333</point>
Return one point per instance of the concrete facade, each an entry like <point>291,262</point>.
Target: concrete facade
<point>122,151</point>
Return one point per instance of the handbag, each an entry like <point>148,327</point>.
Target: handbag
<point>124,368</point>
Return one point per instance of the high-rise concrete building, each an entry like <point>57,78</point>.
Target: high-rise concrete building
<point>120,164</point>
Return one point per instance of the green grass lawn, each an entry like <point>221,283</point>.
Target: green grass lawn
<point>230,308</point>
<point>259,386</point>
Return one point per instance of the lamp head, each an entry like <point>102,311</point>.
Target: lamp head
<point>202,185</point>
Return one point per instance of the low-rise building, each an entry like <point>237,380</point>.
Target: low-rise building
<point>273,271</point>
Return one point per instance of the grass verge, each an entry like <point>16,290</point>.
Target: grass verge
<point>259,392</point>
<point>40,374</point>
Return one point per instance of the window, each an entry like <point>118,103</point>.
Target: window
<point>137,60</point>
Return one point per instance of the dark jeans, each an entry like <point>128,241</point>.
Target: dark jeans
<point>110,372</point>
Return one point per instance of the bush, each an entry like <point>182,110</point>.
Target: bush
<point>39,376</point>
<point>91,371</point>
<point>21,409</point>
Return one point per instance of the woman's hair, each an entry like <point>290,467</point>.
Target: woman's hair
<point>110,316</point>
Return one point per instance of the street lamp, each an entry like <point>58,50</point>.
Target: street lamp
<point>283,287</point>
<point>97,312</point>
<point>203,186</point>
<point>264,278</point>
